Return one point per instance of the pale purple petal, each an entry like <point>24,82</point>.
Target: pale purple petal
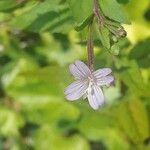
<point>76,90</point>
<point>95,97</point>
<point>102,72</point>
<point>76,72</point>
<point>105,80</point>
<point>82,68</point>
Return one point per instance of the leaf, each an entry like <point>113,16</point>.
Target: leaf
<point>10,122</point>
<point>97,122</point>
<point>133,119</point>
<point>113,140</point>
<point>31,82</point>
<point>123,1</point>
<point>132,77</point>
<point>86,22</point>
<point>104,36</point>
<point>138,13</point>
<point>113,10</point>
<point>100,126</point>
<point>140,52</point>
<point>44,16</point>
<point>36,90</point>
<point>44,112</point>
<point>81,10</point>
<point>139,113</point>
<point>35,84</point>
<point>115,49</point>
<point>55,140</point>
<point>8,4</point>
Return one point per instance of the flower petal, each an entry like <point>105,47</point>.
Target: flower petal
<point>76,72</point>
<point>82,68</point>
<point>95,97</point>
<point>107,80</point>
<point>75,90</point>
<point>102,72</point>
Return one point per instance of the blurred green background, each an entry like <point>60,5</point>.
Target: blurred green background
<point>34,56</point>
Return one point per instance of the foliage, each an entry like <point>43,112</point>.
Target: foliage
<point>38,40</point>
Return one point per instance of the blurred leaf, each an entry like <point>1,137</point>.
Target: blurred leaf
<point>123,1</point>
<point>50,112</point>
<point>34,72</point>
<point>112,94</point>
<point>7,4</point>
<point>10,122</point>
<point>113,10</point>
<point>92,124</point>
<point>115,49</point>
<point>136,14</point>
<point>140,53</point>
<point>56,141</point>
<point>11,70</point>
<point>133,119</point>
<point>44,16</point>
<point>139,23</point>
<point>138,111</point>
<point>132,77</point>
<point>81,10</point>
<point>36,83</point>
<point>113,140</point>
<point>37,91</point>
<point>100,126</point>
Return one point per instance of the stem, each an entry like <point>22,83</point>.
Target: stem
<point>98,13</point>
<point>90,49</point>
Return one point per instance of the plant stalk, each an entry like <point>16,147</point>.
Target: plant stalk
<point>98,13</point>
<point>90,49</point>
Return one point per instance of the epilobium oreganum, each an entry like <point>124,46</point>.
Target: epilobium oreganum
<point>88,84</point>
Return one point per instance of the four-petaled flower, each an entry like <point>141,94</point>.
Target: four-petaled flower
<point>87,84</point>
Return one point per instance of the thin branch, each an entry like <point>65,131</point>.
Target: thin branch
<point>90,49</point>
<point>98,13</point>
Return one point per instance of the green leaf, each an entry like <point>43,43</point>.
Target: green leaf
<point>104,36</point>
<point>55,140</point>
<point>10,122</point>
<point>123,1</point>
<point>132,77</point>
<point>140,52</point>
<point>113,10</point>
<point>97,122</point>
<point>100,126</point>
<point>45,16</point>
<point>44,112</point>
<point>36,90</point>
<point>35,84</point>
<point>115,49</point>
<point>139,113</point>
<point>8,4</point>
<point>133,119</point>
<point>81,10</point>
<point>85,23</point>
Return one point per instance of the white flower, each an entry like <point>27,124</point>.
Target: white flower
<point>87,84</point>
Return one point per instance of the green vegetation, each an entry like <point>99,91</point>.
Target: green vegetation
<point>38,41</point>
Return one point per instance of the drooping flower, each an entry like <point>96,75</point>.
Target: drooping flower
<point>88,84</point>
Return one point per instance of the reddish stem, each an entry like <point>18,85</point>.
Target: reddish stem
<point>90,49</point>
<point>97,12</point>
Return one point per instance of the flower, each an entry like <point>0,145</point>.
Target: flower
<point>87,84</point>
